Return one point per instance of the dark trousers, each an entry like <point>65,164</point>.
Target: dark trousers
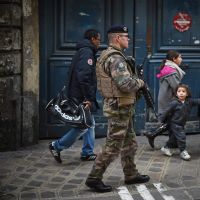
<point>176,134</point>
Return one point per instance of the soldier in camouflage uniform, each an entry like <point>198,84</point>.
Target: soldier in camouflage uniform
<point>118,85</point>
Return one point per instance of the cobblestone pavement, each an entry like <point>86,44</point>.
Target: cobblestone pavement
<point>32,174</point>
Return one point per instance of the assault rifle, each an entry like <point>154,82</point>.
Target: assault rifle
<point>145,90</point>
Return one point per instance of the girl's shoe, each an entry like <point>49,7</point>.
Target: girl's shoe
<point>166,151</point>
<point>185,155</point>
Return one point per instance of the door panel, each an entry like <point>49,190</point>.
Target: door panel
<point>152,32</point>
<point>62,24</point>
<point>164,36</point>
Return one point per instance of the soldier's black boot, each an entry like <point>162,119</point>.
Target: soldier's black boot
<point>97,185</point>
<point>152,135</point>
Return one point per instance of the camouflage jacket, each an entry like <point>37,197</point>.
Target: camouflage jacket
<point>115,78</point>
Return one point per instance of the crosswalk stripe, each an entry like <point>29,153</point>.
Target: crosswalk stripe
<point>124,193</point>
<point>144,192</point>
<point>161,189</point>
<point>142,189</point>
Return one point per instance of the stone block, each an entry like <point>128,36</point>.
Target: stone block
<point>10,64</point>
<point>10,113</point>
<point>30,118</point>
<point>10,39</point>
<point>11,1</point>
<point>10,14</point>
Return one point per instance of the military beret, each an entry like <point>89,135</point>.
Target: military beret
<point>118,29</point>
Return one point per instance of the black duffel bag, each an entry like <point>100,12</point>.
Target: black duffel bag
<point>69,111</point>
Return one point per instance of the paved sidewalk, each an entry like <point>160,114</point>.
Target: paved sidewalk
<point>32,173</point>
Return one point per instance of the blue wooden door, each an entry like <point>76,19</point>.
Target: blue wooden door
<point>170,24</point>
<point>155,27</point>
<point>62,24</point>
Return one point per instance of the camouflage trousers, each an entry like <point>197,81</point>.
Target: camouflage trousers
<point>120,140</point>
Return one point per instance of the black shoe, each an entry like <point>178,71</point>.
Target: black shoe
<point>138,179</point>
<point>54,153</point>
<point>97,185</point>
<point>91,157</point>
<point>150,138</point>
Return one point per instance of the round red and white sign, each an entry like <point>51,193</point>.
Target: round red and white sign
<point>182,22</point>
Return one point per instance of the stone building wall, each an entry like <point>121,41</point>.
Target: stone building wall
<point>19,72</point>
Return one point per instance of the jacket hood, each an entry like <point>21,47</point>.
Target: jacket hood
<point>86,43</point>
<point>166,70</point>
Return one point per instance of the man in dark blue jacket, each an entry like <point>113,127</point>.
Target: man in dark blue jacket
<point>82,87</point>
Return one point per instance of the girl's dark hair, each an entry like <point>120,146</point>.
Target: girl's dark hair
<point>189,94</point>
<point>171,54</point>
<point>90,33</point>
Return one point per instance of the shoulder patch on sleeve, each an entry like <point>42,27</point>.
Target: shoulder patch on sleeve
<point>90,61</point>
<point>121,67</point>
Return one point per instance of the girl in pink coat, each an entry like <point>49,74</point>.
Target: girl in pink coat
<point>170,76</point>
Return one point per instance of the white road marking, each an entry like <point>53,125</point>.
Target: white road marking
<point>161,189</point>
<point>146,195</point>
<point>144,192</point>
<point>124,193</point>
